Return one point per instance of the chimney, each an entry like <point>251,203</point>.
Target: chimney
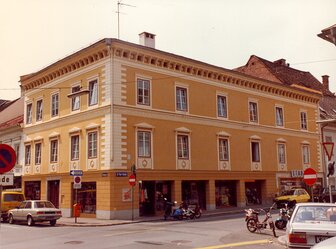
<point>147,39</point>
<point>325,81</point>
<point>281,62</point>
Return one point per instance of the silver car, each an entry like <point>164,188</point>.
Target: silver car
<point>35,211</point>
<point>311,223</point>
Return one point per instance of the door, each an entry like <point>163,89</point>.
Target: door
<point>53,192</point>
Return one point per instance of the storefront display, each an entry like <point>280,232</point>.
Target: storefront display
<point>225,194</point>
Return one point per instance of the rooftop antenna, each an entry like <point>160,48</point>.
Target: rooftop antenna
<point>121,4</point>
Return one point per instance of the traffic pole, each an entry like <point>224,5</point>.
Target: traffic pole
<point>132,202</point>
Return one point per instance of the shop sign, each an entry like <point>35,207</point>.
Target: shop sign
<point>121,174</point>
<point>297,173</point>
<point>7,180</point>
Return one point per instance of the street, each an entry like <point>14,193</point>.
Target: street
<point>207,233</point>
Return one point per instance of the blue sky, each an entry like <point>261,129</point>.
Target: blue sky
<point>36,33</point>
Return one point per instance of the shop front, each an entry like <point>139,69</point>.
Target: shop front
<point>253,192</point>
<point>86,197</point>
<point>194,192</point>
<point>226,194</point>
<point>32,190</point>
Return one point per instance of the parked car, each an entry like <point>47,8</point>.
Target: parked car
<point>35,211</point>
<point>324,196</point>
<point>9,200</point>
<point>292,197</point>
<point>311,223</point>
<point>326,244</point>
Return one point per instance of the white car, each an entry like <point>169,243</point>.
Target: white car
<point>35,211</point>
<point>311,223</point>
<point>327,244</point>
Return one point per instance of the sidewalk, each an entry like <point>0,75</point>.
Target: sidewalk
<point>93,222</point>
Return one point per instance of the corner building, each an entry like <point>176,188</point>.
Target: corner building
<point>194,132</point>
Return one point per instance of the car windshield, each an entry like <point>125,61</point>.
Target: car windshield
<point>316,214</point>
<point>43,204</point>
<point>289,192</point>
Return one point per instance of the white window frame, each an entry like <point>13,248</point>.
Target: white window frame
<point>181,102</point>
<point>29,113</point>
<point>222,110</point>
<point>141,91</point>
<point>54,144</point>
<point>92,152</point>
<point>39,110</point>
<point>305,154</point>
<point>74,147</point>
<point>54,105</point>
<point>27,154</point>
<point>38,153</point>
<point>182,147</point>
<point>253,111</point>
<point>93,92</point>
<point>303,120</point>
<point>281,152</point>
<point>279,117</point>
<point>144,144</point>
<point>223,151</point>
<point>253,151</point>
<point>75,100</point>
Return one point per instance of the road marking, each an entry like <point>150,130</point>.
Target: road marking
<point>255,242</point>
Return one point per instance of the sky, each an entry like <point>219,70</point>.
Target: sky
<point>225,33</point>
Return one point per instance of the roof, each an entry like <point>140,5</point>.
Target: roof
<point>4,104</point>
<point>13,122</point>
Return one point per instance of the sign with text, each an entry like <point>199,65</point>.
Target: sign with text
<point>7,180</point>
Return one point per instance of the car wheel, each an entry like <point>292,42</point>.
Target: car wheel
<point>30,221</point>
<point>52,222</point>
<point>10,219</point>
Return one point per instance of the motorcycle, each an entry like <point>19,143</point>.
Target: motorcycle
<point>170,211</point>
<point>195,208</point>
<point>282,221</point>
<point>252,219</point>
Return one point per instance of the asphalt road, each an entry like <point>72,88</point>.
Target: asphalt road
<point>227,231</point>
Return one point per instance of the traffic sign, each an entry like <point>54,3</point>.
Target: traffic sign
<point>132,180</point>
<point>77,182</point>
<point>309,176</point>
<point>7,158</point>
<point>76,172</point>
<point>329,148</point>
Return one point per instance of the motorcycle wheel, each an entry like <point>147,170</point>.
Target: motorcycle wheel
<point>273,229</point>
<point>280,224</point>
<point>251,225</point>
<point>198,215</point>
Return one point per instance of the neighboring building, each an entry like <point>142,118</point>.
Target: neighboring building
<point>329,34</point>
<point>194,131</point>
<point>279,71</point>
<point>11,119</point>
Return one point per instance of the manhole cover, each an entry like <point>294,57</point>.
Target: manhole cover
<point>180,241</point>
<point>74,242</point>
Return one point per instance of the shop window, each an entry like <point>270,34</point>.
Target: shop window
<point>86,196</point>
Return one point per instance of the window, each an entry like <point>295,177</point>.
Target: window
<point>17,152</point>
<point>54,104</point>
<point>255,151</point>
<point>223,149</point>
<point>281,153</point>
<point>303,118</point>
<point>253,111</point>
<point>144,144</point>
<point>38,153</point>
<point>93,92</point>
<point>279,116</point>
<point>39,109</point>
<point>29,114</point>
<point>74,147</point>
<point>305,154</point>
<point>183,147</point>
<point>92,144</point>
<point>75,101</point>
<point>27,154</point>
<point>53,151</point>
<point>181,99</point>
<point>143,89</point>
<point>221,106</point>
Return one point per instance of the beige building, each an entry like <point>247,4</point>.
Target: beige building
<point>195,132</point>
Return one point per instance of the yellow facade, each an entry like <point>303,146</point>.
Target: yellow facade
<point>118,118</point>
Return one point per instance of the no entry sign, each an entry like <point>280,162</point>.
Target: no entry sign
<point>7,158</point>
<point>309,176</point>
<point>131,180</point>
